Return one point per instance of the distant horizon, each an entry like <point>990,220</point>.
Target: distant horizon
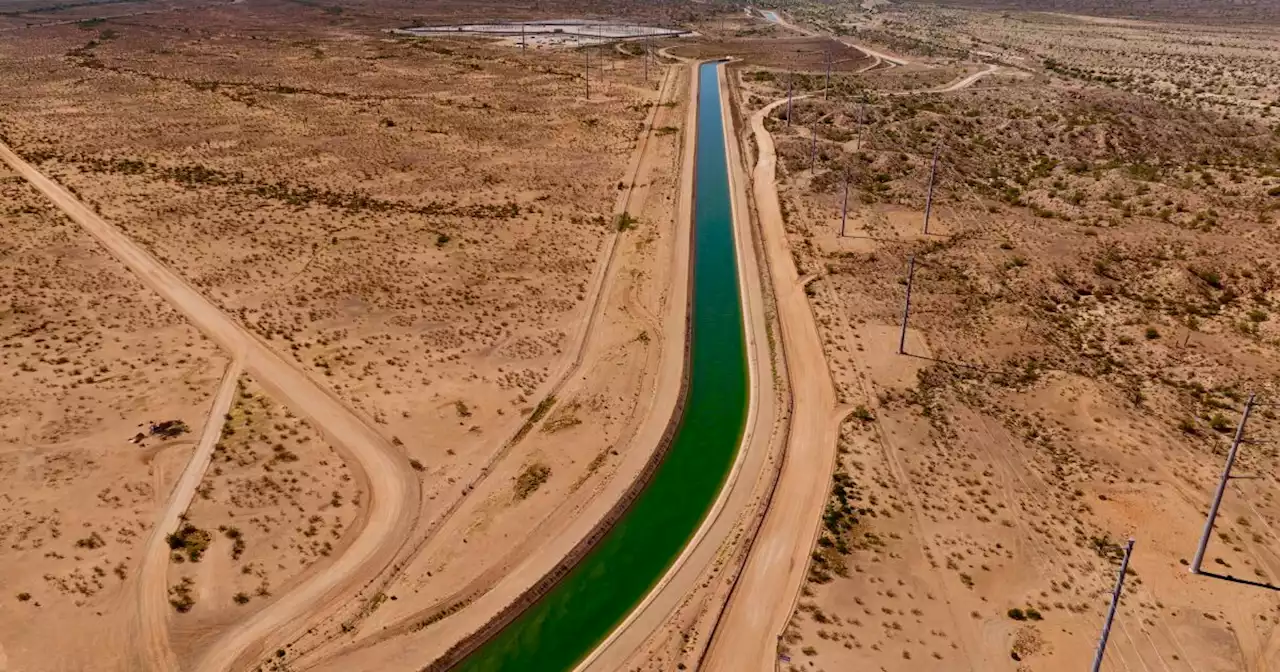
<point>1210,11</point>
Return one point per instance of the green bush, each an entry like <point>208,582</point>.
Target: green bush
<point>191,539</point>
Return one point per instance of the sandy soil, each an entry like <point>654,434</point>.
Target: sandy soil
<point>427,639</point>
<point>1230,69</point>
<point>475,374</point>
<point>388,514</point>
<point>90,367</point>
<point>152,586</point>
<point>276,503</point>
<point>604,403</point>
<point>985,481</point>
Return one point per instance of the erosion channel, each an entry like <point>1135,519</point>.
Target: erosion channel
<point>593,598</point>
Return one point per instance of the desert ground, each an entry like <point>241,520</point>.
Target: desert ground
<point>446,236</point>
<point>1090,311</point>
<point>105,391</point>
<point>326,344</point>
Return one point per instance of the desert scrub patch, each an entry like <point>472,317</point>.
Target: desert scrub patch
<point>626,221</point>
<point>564,418</point>
<point>191,540</point>
<point>169,429</point>
<point>531,479</point>
<point>535,416</point>
<point>237,540</point>
<point>180,595</point>
<point>94,540</point>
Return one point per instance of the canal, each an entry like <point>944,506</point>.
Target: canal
<point>563,627</point>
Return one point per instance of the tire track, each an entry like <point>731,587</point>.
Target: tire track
<point>392,486</point>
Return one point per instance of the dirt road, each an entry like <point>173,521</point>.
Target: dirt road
<point>392,487</point>
<point>958,85</point>
<point>969,81</point>
<point>762,602</point>
<point>893,61</point>
<point>150,629</point>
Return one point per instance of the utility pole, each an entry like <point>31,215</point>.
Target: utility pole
<point>522,38</point>
<point>813,146</point>
<point>587,52</point>
<point>827,86</point>
<point>646,59</point>
<point>1222,487</point>
<point>790,77</point>
<point>844,209</point>
<point>906,308</point>
<point>928,201</point>
<point>1111,613</point>
<point>862,115</point>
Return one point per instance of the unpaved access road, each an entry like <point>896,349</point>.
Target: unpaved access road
<point>392,487</point>
<point>893,61</point>
<point>150,629</point>
<point>958,85</point>
<point>967,81</point>
<point>761,603</point>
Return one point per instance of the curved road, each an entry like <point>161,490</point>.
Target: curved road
<point>893,61</point>
<point>761,603</point>
<point>393,488</point>
<point>959,84</point>
<point>967,81</point>
<point>151,628</point>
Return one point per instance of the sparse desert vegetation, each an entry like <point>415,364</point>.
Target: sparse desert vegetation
<point>275,499</point>
<point>1229,68</point>
<point>102,382</point>
<point>1090,312</point>
<point>419,223</point>
<point>474,256</point>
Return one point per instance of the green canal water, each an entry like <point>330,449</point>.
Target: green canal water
<point>561,629</point>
